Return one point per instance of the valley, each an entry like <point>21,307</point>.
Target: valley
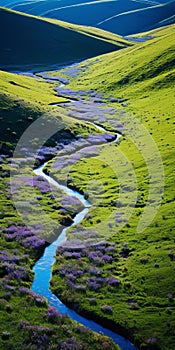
<point>87,173</point>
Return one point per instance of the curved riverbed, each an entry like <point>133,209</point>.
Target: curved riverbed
<point>42,270</point>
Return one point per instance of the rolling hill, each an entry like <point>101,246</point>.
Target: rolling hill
<point>29,40</point>
<point>22,101</point>
<point>140,20</point>
<point>140,81</point>
<point>125,280</point>
<point>117,16</point>
<point>143,64</point>
<point>90,11</point>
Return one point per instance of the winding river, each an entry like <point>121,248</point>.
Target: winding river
<point>43,267</point>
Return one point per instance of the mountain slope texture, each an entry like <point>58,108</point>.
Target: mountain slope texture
<point>118,16</point>
<point>140,20</point>
<point>31,40</point>
<point>140,80</point>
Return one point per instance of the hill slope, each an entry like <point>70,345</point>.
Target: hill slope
<point>22,101</point>
<point>140,81</point>
<point>31,40</point>
<point>76,11</point>
<point>137,66</point>
<point>109,13</point>
<point>140,20</point>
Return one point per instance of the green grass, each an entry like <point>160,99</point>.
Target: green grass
<point>143,77</point>
<point>24,99</point>
<point>148,66</point>
<point>31,90</point>
<point>21,103</point>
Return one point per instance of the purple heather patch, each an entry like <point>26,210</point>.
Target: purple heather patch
<point>76,255</point>
<point>107,258</point>
<point>107,308</point>
<point>34,242</point>
<point>18,232</point>
<point>59,163</point>
<point>170,296</point>
<point>93,285</point>
<point>113,281</point>
<point>152,340</point>
<point>74,70</point>
<point>41,184</point>
<point>52,313</point>
<point>90,151</point>
<point>69,201</point>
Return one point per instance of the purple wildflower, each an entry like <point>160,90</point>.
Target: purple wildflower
<point>113,281</point>
<point>107,258</point>
<point>107,309</point>
<point>170,296</point>
<point>34,242</point>
<point>152,340</point>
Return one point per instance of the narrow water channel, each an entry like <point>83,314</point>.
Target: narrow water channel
<point>43,270</point>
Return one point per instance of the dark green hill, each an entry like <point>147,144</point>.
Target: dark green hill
<point>117,16</point>
<point>76,11</point>
<point>140,20</point>
<point>32,40</point>
<point>141,81</point>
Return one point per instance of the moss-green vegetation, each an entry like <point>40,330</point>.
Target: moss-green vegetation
<point>22,100</point>
<point>31,90</point>
<point>125,279</point>
<point>27,322</point>
<point>142,301</point>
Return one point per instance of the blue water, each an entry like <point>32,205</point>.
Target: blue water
<point>43,267</point>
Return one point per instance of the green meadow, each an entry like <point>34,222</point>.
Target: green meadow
<point>117,266</point>
<point>27,321</point>
<point>142,260</point>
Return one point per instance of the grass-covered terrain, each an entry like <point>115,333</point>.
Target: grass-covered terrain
<point>117,266</point>
<point>142,75</point>
<point>27,322</point>
<point>111,269</point>
<point>33,41</point>
<point>23,99</point>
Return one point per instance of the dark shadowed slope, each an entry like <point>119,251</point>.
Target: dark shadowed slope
<point>118,16</point>
<point>76,11</point>
<point>140,20</point>
<point>32,40</point>
<point>142,78</point>
<point>89,13</point>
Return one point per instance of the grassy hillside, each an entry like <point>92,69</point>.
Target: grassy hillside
<point>141,263</point>
<point>30,41</point>
<point>22,100</point>
<point>146,66</point>
<point>126,280</point>
<point>27,321</point>
<point>140,20</point>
